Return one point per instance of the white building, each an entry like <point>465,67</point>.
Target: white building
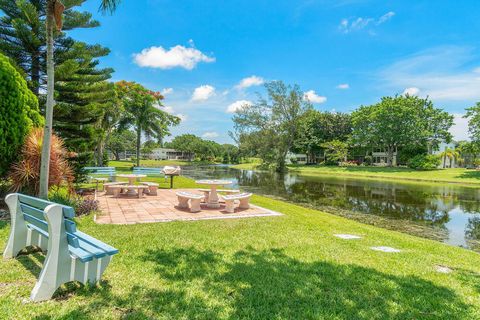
<point>449,163</point>
<point>171,154</point>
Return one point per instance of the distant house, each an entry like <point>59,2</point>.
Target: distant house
<point>380,157</point>
<point>449,163</point>
<point>299,158</point>
<point>171,154</point>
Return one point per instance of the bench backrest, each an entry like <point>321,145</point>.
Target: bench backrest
<point>34,215</point>
<point>80,244</point>
<point>147,171</point>
<point>100,170</point>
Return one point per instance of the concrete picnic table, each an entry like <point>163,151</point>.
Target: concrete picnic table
<point>131,181</point>
<point>213,196</point>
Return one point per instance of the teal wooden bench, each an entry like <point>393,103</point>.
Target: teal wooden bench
<point>107,171</point>
<point>148,171</point>
<point>71,255</point>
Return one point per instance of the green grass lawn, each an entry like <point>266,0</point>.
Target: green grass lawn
<point>287,267</point>
<point>457,175</point>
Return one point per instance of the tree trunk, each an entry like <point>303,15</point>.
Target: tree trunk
<point>100,150</point>
<point>444,161</point>
<point>139,134</point>
<point>390,156</point>
<point>45,162</point>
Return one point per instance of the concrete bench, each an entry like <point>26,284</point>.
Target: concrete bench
<point>117,190</point>
<point>195,199</point>
<point>108,186</point>
<point>244,199</point>
<point>206,192</point>
<point>71,255</point>
<point>152,187</point>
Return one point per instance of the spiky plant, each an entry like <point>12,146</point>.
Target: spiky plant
<point>25,174</point>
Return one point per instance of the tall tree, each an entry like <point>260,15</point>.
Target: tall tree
<point>29,31</point>
<point>121,141</point>
<point>143,112</point>
<point>270,126</point>
<point>317,127</point>
<point>400,121</point>
<point>54,15</point>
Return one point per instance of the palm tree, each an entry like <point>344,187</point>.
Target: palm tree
<point>55,10</point>
<point>143,113</point>
<point>450,154</point>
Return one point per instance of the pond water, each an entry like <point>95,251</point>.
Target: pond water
<point>446,213</point>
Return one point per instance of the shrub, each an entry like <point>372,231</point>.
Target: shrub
<point>81,205</point>
<point>351,163</point>
<point>424,162</point>
<point>86,206</point>
<point>368,160</point>
<point>19,113</point>
<point>25,174</point>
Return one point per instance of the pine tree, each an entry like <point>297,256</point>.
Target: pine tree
<point>81,88</point>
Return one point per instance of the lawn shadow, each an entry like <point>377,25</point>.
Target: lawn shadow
<point>4,223</point>
<point>469,174</point>
<point>270,284</point>
<point>266,284</point>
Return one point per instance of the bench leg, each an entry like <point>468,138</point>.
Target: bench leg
<point>153,191</point>
<point>230,206</point>
<point>182,202</point>
<point>116,192</point>
<point>195,205</point>
<point>140,193</point>
<point>57,266</point>
<point>17,240</point>
<point>244,203</point>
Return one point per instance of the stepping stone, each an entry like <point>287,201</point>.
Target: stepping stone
<point>347,236</point>
<point>385,249</point>
<point>443,269</point>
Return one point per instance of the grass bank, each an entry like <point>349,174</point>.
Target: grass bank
<point>288,267</point>
<point>457,175</point>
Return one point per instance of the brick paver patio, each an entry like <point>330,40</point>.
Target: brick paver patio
<point>163,208</point>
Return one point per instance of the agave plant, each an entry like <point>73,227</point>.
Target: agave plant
<point>25,175</point>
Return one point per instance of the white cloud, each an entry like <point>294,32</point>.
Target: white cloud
<point>171,111</point>
<point>343,86</point>
<point>166,91</point>
<point>203,93</point>
<point>178,56</point>
<point>460,128</point>
<point>237,105</point>
<point>210,135</point>
<point>354,24</point>
<point>313,97</point>
<point>412,91</point>
<point>250,82</point>
<point>387,16</point>
<point>443,73</point>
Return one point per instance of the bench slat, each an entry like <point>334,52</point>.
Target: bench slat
<point>37,213</point>
<point>41,224</point>
<point>40,204</point>
<point>105,247</point>
<point>81,254</point>
<point>71,239</point>
<point>70,226</point>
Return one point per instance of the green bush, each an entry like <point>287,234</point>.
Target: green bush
<point>19,113</point>
<point>424,162</point>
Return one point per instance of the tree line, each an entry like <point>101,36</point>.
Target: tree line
<point>404,126</point>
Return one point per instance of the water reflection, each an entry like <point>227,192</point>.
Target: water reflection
<point>442,212</point>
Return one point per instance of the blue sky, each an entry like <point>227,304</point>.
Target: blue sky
<point>208,55</point>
